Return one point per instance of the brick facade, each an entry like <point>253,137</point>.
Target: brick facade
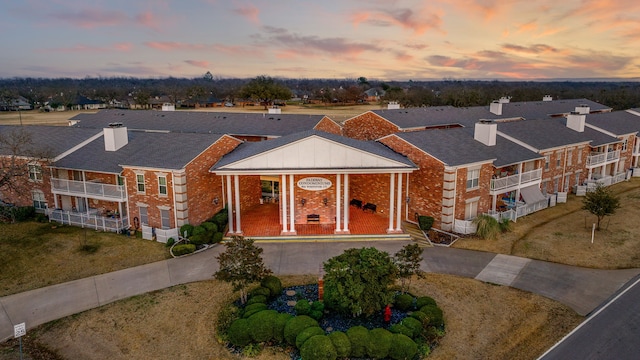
<point>368,126</point>
<point>374,189</point>
<point>328,125</point>
<point>314,201</point>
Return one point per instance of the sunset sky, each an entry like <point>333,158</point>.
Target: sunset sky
<point>383,40</point>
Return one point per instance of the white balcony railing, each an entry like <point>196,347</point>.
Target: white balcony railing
<point>602,158</point>
<point>85,220</point>
<point>606,180</point>
<point>88,189</point>
<point>511,181</point>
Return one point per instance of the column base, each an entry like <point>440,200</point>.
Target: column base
<point>288,233</point>
<point>235,234</point>
<point>342,232</point>
<point>394,231</point>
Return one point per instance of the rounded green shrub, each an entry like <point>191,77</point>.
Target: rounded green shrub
<point>272,283</point>
<point>257,299</point>
<point>210,227</point>
<point>278,326</point>
<point>183,249</point>
<point>217,237</point>
<point>302,307</point>
<point>317,306</point>
<point>295,326</point>
<point>412,324</point>
<point>400,329</point>
<point>420,316</point>
<point>359,338</point>
<point>307,333</point>
<point>261,291</point>
<point>434,314</point>
<point>198,230</point>
<point>221,219</point>
<point>261,325</point>
<point>170,241</point>
<point>379,343</point>
<point>402,348</point>
<point>239,333</point>
<point>424,301</point>
<point>403,302</point>
<point>341,343</point>
<point>318,347</point>
<point>316,314</point>
<point>188,228</point>
<point>198,239</point>
<point>253,308</point>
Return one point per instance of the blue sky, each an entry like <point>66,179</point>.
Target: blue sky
<point>384,40</point>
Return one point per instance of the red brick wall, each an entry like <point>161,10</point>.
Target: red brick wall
<point>328,125</point>
<point>314,203</point>
<point>485,200</point>
<point>368,126</point>
<point>23,196</point>
<point>554,171</point>
<point>372,188</point>
<point>203,186</point>
<point>151,197</point>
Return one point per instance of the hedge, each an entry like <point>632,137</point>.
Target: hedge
<point>425,222</point>
<point>302,307</point>
<point>402,348</point>
<point>183,249</point>
<point>217,237</point>
<point>434,314</point>
<point>239,334</point>
<point>401,329</point>
<point>318,347</point>
<point>253,308</point>
<point>278,326</point>
<point>256,299</point>
<point>424,301</point>
<point>359,338</point>
<point>188,228</point>
<point>272,283</point>
<point>379,343</point>
<point>307,333</point>
<point>403,302</point>
<point>261,325</point>
<point>412,324</point>
<point>295,326</point>
<point>341,343</point>
<point>419,315</point>
<point>210,227</point>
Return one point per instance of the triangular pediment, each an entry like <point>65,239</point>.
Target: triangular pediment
<point>317,152</point>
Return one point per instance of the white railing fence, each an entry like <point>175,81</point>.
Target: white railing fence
<point>88,189</point>
<point>88,220</point>
<point>161,235</point>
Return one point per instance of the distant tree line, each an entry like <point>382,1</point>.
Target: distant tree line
<point>460,93</point>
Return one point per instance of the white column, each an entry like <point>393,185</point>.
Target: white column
<point>292,204</point>
<point>345,227</point>
<point>229,204</point>
<point>399,202</point>
<point>392,186</point>
<point>283,202</point>
<point>236,184</point>
<point>338,204</point>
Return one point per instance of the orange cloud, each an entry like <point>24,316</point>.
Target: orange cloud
<point>418,22</point>
<point>148,19</point>
<point>250,12</point>
<point>92,18</point>
<point>172,45</point>
<point>120,47</point>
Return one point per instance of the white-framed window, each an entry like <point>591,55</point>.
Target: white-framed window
<point>625,143</point>
<point>579,155</point>
<point>547,159</point>
<point>471,210</point>
<point>140,182</point>
<point>165,220</point>
<point>39,201</point>
<point>120,180</point>
<point>144,215</point>
<point>569,156</point>
<point>35,172</point>
<point>162,185</point>
<point>473,178</point>
<point>558,160</point>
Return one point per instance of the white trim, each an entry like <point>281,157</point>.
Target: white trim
<point>338,214</point>
<point>81,145</point>
<point>392,183</point>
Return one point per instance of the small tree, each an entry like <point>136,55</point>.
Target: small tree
<point>408,261</point>
<point>241,265</point>
<point>265,90</point>
<point>600,202</point>
<point>357,281</point>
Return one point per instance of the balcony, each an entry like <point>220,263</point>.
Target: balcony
<point>89,220</point>
<point>602,158</point>
<point>514,181</point>
<point>93,190</point>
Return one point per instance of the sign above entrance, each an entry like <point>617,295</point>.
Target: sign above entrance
<point>314,183</point>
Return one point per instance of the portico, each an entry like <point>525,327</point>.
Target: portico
<point>320,175</point>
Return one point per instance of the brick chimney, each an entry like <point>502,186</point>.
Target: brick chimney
<point>115,137</point>
<point>485,131</point>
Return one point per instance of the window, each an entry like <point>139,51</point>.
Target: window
<point>144,217</point>
<point>558,160</point>
<point>625,144</point>
<point>120,180</point>
<point>35,172</point>
<point>471,210</point>
<point>579,153</point>
<point>162,185</point>
<point>38,200</point>
<point>473,178</point>
<point>546,162</point>
<point>140,182</point>
<point>164,217</point>
<point>569,156</point>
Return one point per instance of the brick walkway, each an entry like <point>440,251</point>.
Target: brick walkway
<point>264,220</point>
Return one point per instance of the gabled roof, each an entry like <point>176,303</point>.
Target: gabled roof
<point>615,123</point>
<point>248,124</point>
<point>145,149</point>
<point>53,140</point>
<point>457,147</point>
<point>312,151</point>
<point>544,134</point>
<point>544,109</point>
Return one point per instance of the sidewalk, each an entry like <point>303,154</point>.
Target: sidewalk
<point>581,289</point>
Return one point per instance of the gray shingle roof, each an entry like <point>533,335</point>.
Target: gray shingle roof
<point>145,149</point>
<point>616,122</point>
<point>550,133</point>
<point>52,139</point>
<point>258,124</point>
<point>456,147</point>
<point>249,149</point>
<point>545,109</point>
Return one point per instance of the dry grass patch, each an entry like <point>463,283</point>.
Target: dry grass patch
<point>483,322</point>
<point>42,254</point>
<point>562,234</point>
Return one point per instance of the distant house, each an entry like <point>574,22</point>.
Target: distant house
<point>19,103</point>
<point>374,94</point>
<point>84,103</point>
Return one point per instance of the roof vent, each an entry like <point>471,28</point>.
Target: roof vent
<point>115,125</point>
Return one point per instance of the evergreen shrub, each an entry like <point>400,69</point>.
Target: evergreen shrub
<point>424,301</point>
<point>306,334</point>
<point>403,302</point>
<point>318,347</point>
<point>359,338</point>
<point>379,343</point>
<point>294,326</point>
<point>341,343</point>
<point>239,334</point>
<point>272,283</point>
<point>402,348</point>
<point>183,249</point>
<point>261,325</point>
<point>302,307</point>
